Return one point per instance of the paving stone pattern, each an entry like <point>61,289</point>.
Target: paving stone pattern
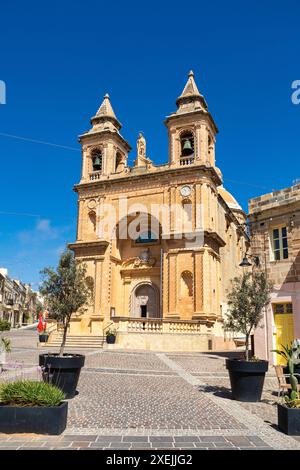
<point>144,400</point>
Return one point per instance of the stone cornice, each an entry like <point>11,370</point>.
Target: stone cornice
<point>90,135</point>
<point>166,172</point>
<point>202,113</point>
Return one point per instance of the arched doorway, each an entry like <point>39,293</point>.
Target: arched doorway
<point>145,301</point>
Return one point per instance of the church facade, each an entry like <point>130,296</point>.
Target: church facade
<point>160,242</point>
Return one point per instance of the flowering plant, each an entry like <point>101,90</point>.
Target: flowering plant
<point>42,325</point>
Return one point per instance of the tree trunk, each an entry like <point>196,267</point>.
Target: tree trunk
<point>63,343</point>
<point>247,348</point>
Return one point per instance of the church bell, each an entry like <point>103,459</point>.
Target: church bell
<point>187,148</point>
<point>97,163</point>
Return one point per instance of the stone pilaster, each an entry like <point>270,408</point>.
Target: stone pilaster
<point>198,282</point>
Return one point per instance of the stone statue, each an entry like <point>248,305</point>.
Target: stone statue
<point>141,146</point>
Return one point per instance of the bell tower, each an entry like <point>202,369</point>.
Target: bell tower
<point>104,150</point>
<point>191,129</point>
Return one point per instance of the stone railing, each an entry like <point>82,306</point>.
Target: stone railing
<point>95,176</point>
<point>183,327</point>
<point>186,160</point>
<point>148,325</point>
<point>144,326</point>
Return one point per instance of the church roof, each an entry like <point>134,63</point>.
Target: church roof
<point>106,113</point>
<point>229,199</point>
<point>191,92</point>
<point>106,108</point>
<point>190,88</point>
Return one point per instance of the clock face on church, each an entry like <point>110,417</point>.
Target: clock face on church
<point>185,191</point>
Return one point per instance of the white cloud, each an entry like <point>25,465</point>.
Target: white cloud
<point>43,231</point>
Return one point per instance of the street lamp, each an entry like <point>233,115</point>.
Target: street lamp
<point>245,263</point>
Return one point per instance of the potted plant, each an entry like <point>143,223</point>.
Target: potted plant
<point>42,329</point>
<point>249,294</point>
<point>289,410</point>
<point>111,336</point>
<point>28,406</point>
<point>66,292</point>
<point>286,352</point>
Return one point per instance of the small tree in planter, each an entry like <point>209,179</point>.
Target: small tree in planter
<point>65,292</point>
<point>250,293</point>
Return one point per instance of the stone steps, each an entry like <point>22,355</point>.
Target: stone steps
<point>74,341</point>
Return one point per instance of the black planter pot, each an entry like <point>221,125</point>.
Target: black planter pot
<point>62,371</point>
<point>246,379</point>
<point>38,419</point>
<point>110,339</point>
<point>43,338</point>
<point>288,420</point>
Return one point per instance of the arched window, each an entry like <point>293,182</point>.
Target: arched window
<point>97,160</point>
<point>187,147</point>
<point>210,144</point>
<point>147,237</point>
<point>90,284</point>
<point>119,162</point>
<point>186,284</point>
<point>187,210</point>
<point>92,220</point>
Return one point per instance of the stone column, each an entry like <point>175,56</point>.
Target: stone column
<point>198,282</point>
<point>206,281</point>
<point>172,206</point>
<point>172,278</point>
<point>85,164</point>
<point>198,154</point>
<point>98,287</point>
<point>204,149</point>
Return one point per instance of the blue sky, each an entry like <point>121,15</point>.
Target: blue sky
<point>59,58</point>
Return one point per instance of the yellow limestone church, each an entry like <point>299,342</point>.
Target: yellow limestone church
<point>160,242</point>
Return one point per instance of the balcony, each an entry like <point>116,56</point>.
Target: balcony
<point>96,175</point>
<point>187,160</point>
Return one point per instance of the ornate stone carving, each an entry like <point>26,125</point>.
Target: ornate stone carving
<point>144,260</point>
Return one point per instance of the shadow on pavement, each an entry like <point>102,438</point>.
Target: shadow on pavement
<point>222,392</point>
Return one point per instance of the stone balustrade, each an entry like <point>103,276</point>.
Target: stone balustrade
<point>144,325</point>
<point>186,161</point>
<point>95,176</point>
<point>147,325</point>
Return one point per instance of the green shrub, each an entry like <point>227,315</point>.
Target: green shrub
<point>4,325</point>
<point>30,393</point>
<point>5,344</point>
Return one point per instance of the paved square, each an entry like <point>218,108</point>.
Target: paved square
<point>145,400</point>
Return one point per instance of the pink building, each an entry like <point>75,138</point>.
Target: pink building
<point>275,238</point>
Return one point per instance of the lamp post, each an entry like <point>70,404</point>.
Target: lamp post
<point>245,263</point>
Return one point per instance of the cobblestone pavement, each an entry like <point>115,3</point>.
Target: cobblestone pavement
<point>145,400</point>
